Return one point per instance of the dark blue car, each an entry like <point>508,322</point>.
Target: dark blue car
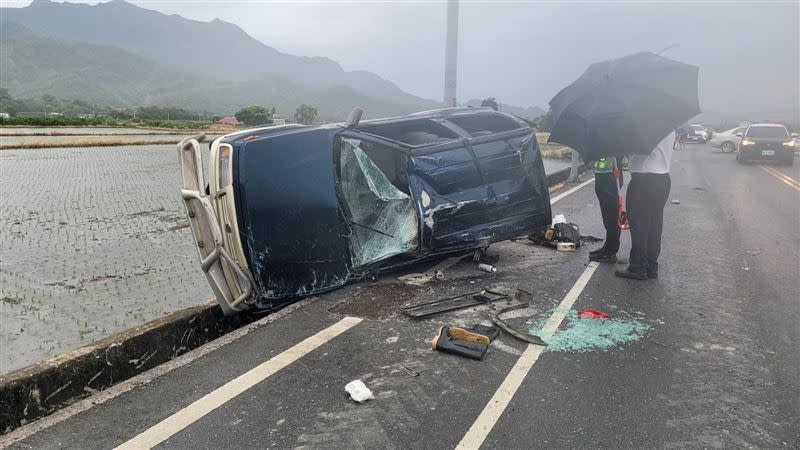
<point>292,211</point>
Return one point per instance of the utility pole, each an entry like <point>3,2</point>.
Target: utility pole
<point>451,54</point>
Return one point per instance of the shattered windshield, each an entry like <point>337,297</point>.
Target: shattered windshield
<point>382,218</point>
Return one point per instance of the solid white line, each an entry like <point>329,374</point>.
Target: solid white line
<point>502,397</point>
<point>144,378</point>
<point>163,430</point>
<point>562,195</point>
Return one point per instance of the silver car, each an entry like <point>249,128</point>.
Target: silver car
<point>727,140</point>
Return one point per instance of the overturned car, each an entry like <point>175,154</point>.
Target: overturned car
<point>292,211</point>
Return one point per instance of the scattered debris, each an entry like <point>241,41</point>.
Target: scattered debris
<point>358,391</point>
<point>417,279</point>
<point>753,252</point>
<point>523,298</point>
<point>487,268</point>
<point>581,335</point>
<point>487,330</point>
<point>592,314</point>
<point>675,201</point>
<point>461,342</point>
<point>560,233</point>
<point>559,219</point>
<point>453,303</point>
<point>565,247</point>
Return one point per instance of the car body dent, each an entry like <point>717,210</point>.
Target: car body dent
<point>468,192</point>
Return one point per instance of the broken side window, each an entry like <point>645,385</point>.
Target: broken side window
<point>382,218</point>
<point>411,132</point>
<point>485,123</point>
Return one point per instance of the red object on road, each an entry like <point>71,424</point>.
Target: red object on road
<point>592,314</point>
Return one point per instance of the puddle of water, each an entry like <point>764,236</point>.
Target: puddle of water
<point>579,334</point>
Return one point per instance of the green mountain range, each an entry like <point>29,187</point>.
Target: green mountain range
<point>120,55</point>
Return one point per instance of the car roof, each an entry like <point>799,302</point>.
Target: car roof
<point>436,115</point>
<point>767,125</point>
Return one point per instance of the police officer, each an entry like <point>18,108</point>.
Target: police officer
<point>606,189</point>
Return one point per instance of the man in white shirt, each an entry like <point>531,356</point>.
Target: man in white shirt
<point>648,192</point>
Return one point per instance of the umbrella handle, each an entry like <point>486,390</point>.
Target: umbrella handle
<point>622,218</point>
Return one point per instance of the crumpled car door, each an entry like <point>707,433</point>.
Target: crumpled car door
<point>517,193</point>
<point>471,195</point>
<point>450,190</point>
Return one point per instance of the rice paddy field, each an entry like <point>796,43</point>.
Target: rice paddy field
<point>93,241</point>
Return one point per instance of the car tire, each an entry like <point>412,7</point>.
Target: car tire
<point>727,147</point>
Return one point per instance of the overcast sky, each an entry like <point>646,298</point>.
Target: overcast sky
<point>523,52</point>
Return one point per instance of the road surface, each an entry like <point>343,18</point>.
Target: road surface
<point>713,362</point>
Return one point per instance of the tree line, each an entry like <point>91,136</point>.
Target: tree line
<point>49,110</point>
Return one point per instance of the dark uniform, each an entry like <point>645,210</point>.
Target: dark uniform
<point>606,189</point>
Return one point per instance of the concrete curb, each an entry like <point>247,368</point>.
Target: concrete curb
<point>562,175</point>
<point>41,389</point>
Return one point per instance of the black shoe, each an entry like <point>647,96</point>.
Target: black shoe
<point>652,274</point>
<point>632,275</point>
<point>445,341</point>
<point>604,257</point>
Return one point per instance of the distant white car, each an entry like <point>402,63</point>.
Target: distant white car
<point>697,133</point>
<point>727,140</point>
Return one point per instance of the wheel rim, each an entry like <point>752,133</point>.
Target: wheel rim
<point>727,147</point>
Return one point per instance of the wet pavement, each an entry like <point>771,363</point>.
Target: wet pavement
<point>703,357</point>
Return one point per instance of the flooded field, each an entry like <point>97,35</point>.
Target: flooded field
<point>92,241</point>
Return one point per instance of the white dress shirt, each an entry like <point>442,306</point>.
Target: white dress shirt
<point>657,161</point>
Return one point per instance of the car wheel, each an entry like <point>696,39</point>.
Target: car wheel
<point>727,147</point>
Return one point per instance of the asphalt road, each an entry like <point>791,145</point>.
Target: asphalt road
<point>715,363</point>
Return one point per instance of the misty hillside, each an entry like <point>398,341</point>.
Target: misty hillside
<point>219,47</point>
<point>32,66</point>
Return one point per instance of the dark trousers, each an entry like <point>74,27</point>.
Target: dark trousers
<point>605,186</point>
<point>647,195</point>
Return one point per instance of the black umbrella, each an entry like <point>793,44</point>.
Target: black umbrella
<point>624,106</point>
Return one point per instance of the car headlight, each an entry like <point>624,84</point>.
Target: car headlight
<point>748,142</point>
<point>788,144</point>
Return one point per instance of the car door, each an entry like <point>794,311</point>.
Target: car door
<point>517,199</point>
<point>482,190</point>
<point>448,186</point>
